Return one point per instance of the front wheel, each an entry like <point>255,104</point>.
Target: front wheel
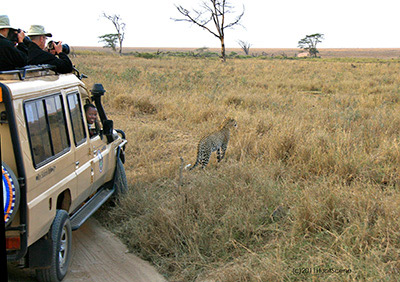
<point>120,181</point>
<point>61,236</point>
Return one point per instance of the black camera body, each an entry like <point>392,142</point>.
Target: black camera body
<point>13,34</point>
<point>65,47</point>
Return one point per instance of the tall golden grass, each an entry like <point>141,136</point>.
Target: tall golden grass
<point>310,181</point>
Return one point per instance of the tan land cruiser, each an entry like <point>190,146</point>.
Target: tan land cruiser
<point>54,175</point>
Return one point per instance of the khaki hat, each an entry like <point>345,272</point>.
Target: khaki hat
<point>5,22</point>
<point>37,30</point>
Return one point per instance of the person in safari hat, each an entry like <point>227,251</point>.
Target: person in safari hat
<point>13,53</point>
<point>36,30</point>
<point>38,54</point>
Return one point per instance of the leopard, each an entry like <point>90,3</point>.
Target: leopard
<point>216,141</point>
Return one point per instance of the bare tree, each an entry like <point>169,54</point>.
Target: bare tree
<point>119,27</point>
<point>245,46</point>
<point>212,13</point>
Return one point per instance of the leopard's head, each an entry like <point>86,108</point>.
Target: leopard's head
<point>229,123</point>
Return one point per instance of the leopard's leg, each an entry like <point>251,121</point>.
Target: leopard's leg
<point>219,154</point>
<point>223,149</point>
<point>205,158</point>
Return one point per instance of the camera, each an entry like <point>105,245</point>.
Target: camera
<point>65,47</point>
<point>13,34</point>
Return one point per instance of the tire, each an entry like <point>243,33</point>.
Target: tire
<point>11,193</point>
<point>120,181</point>
<point>60,252</point>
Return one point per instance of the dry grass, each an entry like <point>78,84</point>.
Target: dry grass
<point>310,179</point>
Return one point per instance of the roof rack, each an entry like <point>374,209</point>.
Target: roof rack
<point>27,71</point>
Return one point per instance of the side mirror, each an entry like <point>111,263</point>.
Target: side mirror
<point>108,126</point>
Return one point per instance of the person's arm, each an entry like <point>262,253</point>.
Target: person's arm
<point>63,64</point>
<point>16,57</point>
<point>66,65</point>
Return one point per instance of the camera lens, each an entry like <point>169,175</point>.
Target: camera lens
<point>65,48</point>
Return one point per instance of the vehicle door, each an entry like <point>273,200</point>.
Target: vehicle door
<point>83,152</point>
<point>99,149</point>
<point>52,167</point>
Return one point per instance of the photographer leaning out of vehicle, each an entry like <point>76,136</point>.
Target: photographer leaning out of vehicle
<point>39,53</point>
<point>13,51</point>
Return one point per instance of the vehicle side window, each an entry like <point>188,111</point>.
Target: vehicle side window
<point>56,118</point>
<point>47,128</point>
<point>75,111</point>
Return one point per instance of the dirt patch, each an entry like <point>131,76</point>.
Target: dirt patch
<point>97,255</point>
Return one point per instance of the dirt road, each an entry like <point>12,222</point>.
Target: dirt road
<point>97,255</point>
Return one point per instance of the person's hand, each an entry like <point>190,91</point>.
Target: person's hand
<point>21,36</point>
<point>57,47</point>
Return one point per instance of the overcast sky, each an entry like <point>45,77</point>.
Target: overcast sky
<point>266,23</point>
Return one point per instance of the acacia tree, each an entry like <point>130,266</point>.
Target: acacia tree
<point>309,43</point>
<point>212,16</point>
<point>119,27</point>
<point>110,40</point>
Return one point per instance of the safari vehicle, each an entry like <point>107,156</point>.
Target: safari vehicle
<point>54,175</point>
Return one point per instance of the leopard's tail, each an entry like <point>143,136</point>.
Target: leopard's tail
<point>190,166</point>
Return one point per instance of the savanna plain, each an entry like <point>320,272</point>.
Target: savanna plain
<point>308,189</point>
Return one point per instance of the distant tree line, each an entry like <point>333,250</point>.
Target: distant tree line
<point>212,17</point>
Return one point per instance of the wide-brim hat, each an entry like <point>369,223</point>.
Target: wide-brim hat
<point>38,30</point>
<point>5,22</point>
